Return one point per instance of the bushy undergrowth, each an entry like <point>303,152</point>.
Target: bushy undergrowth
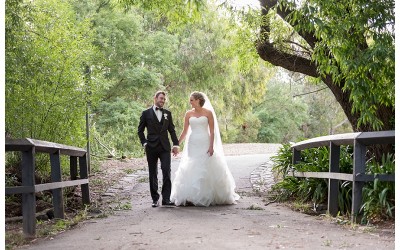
<point>378,196</point>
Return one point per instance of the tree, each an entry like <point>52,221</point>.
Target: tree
<point>45,50</point>
<point>281,115</point>
<point>211,56</point>
<point>349,45</point>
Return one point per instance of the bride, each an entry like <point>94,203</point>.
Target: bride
<point>203,177</point>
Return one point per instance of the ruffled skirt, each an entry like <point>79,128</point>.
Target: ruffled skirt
<point>203,181</point>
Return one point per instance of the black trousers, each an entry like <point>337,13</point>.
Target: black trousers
<point>153,154</point>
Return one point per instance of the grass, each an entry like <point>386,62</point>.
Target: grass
<point>14,239</point>
<point>254,207</point>
<point>130,171</point>
<point>327,243</point>
<point>143,179</point>
<point>123,206</point>
<point>301,206</point>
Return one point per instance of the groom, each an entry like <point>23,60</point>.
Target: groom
<point>158,122</point>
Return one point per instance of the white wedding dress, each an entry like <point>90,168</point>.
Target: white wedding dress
<point>200,179</point>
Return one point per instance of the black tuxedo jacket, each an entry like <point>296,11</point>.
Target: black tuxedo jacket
<point>157,132</point>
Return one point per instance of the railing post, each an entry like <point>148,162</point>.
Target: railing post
<point>58,200</point>
<point>28,199</point>
<point>333,188</point>
<point>296,156</point>
<point>358,168</point>
<point>73,167</point>
<point>83,173</point>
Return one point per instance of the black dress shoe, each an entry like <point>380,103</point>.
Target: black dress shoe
<point>168,203</point>
<point>154,204</point>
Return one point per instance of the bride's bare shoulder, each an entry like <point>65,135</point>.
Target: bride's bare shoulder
<point>208,113</point>
<point>189,113</point>
<point>205,110</point>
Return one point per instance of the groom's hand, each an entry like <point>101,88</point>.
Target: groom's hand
<point>175,151</point>
<point>144,148</point>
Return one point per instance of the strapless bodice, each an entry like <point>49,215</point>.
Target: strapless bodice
<point>199,124</point>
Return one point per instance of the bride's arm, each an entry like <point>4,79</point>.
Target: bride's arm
<point>185,128</point>
<point>211,125</point>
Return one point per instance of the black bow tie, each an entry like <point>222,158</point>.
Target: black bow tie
<point>157,108</point>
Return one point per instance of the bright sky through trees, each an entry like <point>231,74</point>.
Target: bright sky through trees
<point>254,4</point>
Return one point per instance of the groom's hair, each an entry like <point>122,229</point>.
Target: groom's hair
<point>160,92</point>
<point>199,96</point>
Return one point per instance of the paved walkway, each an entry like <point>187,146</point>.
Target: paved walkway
<point>250,224</point>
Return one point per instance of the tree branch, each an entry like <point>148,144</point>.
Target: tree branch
<point>310,92</point>
<point>270,53</point>
<point>291,62</point>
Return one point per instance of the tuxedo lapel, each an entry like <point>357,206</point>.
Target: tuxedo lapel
<point>163,120</point>
<point>162,117</point>
<point>154,114</point>
<point>157,124</point>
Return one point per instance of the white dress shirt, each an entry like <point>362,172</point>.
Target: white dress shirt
<point>158,113</point>
<point>159,116</point>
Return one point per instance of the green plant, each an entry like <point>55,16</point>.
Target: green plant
<point>327,243</point>
<point>345,197</point>
<point>304,189</point>
<point>283,160</point>
<point>301,206</point>
<point>123,206</point>
<point>378,196</point>
<point>254,207</point>
<point>129,171</point>
<point>143,179</point>
<point>14,239</point>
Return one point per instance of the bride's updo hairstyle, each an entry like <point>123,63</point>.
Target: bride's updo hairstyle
<point>198,96</point>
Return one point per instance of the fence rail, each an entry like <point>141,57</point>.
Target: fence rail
<point>29,147</point>
<point>360,141</point>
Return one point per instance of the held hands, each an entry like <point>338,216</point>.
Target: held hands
<point>175,151</point>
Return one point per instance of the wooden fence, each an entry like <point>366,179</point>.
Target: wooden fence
<point>360,141</point>
<point>29,147</point>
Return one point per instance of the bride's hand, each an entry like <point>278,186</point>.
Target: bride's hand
<point>210,151</point>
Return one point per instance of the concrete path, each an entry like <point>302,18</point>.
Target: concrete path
<point>247,225</point>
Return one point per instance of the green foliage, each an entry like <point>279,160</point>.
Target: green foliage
<point>280,115</point>
<point>283,161</point>
<point>64,57</point>
<point>45,51</point>
<point>303,189</point>
<point>176,11</point>
<point>145,53</point>
<point>378,197</point>
<point>292,109</point>
<point>46,93</point>
<point>249,131</point>
<point>116,129</point>
<point>114,59</point>
<point>355,45</point>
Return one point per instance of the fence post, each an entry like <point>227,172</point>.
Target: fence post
<point>83,173</point>
<point>28,199</point>
<point>73,167</point>
<point>58,200</point>
<point>358,168</point>
<point>333,188</point>
<point>296,156</point>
